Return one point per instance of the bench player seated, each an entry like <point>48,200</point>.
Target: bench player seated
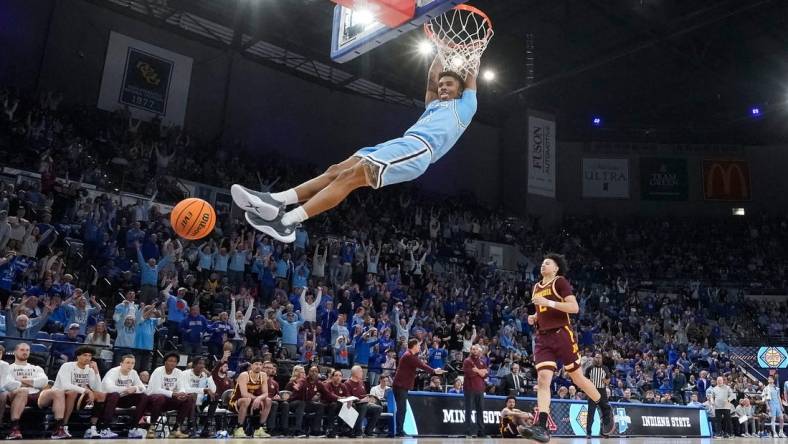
<point>450,106</point>
<point>81,382</point>
<point>514,420</point>
<point>279,406</point>
<point>124,388</point>
<point>26,385</point>
<point>199,384</point>
<point>166,391</point>
<point>250,396</point>
<point>366,407</point>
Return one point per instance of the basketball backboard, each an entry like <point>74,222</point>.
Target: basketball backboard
<point>357,31</point>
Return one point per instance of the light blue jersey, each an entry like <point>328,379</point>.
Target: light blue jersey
<point>429,139</point>
<point>772,393</point>
<point>443,122</point>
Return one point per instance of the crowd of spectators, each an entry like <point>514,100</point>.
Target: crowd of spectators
<point>384,266</point>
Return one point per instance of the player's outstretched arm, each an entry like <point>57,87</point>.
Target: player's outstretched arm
<point>432,81</point>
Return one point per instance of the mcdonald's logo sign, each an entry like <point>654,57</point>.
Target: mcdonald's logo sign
<point>726,180</point>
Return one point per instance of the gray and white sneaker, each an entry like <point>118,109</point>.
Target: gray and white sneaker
<point>273,228</point>
<point>92,433</point>
<point>137,433</point>
<point>108,434</point>
<point>260,204</point>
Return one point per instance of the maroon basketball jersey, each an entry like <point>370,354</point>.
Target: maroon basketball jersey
<point>556,290</point>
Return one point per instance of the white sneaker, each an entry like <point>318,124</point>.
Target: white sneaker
<point>782,435</point>
<point>107,434</point>
<point>91,433</point>
<point>274,228</point>
<point>65,429</point>
<point>137,434</point>
<point>261,204</point>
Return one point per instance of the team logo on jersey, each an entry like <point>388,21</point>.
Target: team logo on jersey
<point>772,357</point>
<point>169,383</point>
<point>80,379</point>
<point>24,373</point>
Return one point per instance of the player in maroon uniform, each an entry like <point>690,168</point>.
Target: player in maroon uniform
<point>555,342</point>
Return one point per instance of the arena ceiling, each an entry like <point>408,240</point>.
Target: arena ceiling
<point>662,70</point>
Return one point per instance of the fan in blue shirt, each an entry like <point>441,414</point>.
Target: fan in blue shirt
<point>436,356</point>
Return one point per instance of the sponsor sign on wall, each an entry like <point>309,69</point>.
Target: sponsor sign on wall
<point>726,180</point>
<point>149,80</point>
<point>606,178</point>
<point>541,156</point>
<point>443,414</point>
<point>663,178</point>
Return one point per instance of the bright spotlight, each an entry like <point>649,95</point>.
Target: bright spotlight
<point>597,121</point>
<point>488,75</point>
<point>425,47</point>
<point>457,61</point>
<point>363,17</point>
<point>755,111</point>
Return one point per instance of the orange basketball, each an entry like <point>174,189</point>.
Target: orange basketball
<point>193,218</point>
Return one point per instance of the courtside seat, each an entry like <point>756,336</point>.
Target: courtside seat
<point>223,412</point>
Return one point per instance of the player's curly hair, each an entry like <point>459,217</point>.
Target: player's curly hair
<point>455,75</point>
<point>83,350</point>
<point>560,261</point>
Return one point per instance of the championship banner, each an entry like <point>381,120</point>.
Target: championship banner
<point>606,178</point>
<point>764,360</point>
<point>443,414</point>
<point>764,357</point>
<point>149,80</point>
<point>726,180</point>
<point>541,156</point>
<point>663,178</point>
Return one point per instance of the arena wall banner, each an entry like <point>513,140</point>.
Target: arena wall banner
<point>726,180</point>
<point>606,178</point>
<point>763,360</point>
<point>443,414</point>
<point>541,156</point>
<point>663,178</point>
<point>150,80</point>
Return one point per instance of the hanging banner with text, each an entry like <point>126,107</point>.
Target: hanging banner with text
<point>149,80</point>
<point>541,156</point>
<point>663,179</point>
<point>606,178</point>
<point>726,180</point>
<point>443,414</point>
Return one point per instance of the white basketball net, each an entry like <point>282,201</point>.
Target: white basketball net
<point>461,35</point>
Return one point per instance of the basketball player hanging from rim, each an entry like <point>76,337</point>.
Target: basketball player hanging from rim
<point>450,105</point>
<point>555,342</point>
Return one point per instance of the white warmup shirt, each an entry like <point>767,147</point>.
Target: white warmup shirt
<point>116,382</point>
<point>165,384</point>
<point>18,372</point>
<point>72,378</point>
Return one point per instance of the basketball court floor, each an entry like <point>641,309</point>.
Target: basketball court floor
<point>437,441</point>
